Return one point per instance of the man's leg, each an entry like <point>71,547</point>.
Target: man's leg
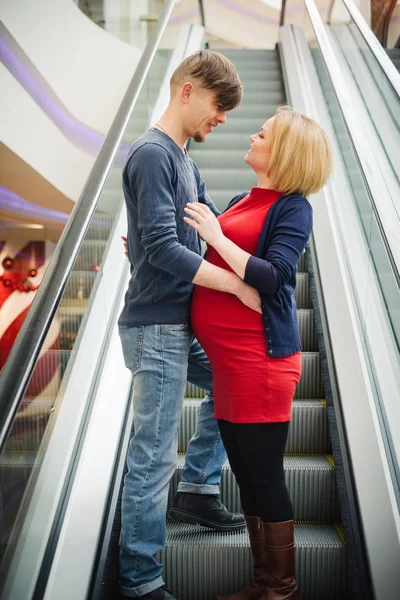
<point>157,357</point>
<point>204,459</point>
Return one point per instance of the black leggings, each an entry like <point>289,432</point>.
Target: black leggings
<point>255,452</point>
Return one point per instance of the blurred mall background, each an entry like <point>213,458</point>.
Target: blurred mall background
<point>80,81</point>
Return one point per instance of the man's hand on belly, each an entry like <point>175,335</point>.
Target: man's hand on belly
<point>250,297</point>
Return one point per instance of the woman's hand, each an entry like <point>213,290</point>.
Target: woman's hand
<point>205,222</point>
<point>125,244</point>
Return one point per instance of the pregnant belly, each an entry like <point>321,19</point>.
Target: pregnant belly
<point>218,317</point>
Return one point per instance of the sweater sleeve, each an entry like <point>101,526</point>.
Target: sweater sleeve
<point>151,173</point>
<point>289,237</point>
<point>202,195</point>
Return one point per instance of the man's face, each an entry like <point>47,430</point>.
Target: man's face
<point>202,113</point>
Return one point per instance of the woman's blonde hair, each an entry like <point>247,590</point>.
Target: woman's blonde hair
<point>301,155</point>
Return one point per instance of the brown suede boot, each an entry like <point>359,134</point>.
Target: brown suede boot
<point>279,546</point>
<point>255,589</point>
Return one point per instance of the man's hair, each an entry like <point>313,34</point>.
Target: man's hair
<point>212,71</point>
<point>301,155</point>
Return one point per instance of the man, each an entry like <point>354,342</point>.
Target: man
<point>159,178</point>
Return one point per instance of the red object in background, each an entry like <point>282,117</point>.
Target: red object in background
<point>18,284</point>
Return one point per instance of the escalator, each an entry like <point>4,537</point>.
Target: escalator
<point>51,482</point>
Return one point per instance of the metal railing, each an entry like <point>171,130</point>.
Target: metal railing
<point>379,194</point>
<point>369,37</point>
<point>202,14</point>
<point>25,352</point>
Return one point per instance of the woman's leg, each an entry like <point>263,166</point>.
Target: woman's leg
<point>262,446</point>
<point>255,589</point>
<point>238,465</point>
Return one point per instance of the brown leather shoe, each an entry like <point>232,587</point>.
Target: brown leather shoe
<point>255,589</point>
<point>279,546</point>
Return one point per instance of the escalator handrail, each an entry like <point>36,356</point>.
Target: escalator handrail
<point>374,45</point>
<point>202,14</point>
<point>25,352</point>
<point>369,37</point>
<point>381,201</point>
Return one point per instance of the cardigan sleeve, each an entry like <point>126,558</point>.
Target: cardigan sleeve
<point>289,237</point>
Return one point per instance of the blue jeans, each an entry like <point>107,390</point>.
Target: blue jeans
<point>161,359</point>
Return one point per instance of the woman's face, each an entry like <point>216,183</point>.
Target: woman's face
<point>260,150</point>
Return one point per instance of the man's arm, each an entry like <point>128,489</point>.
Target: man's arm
<point>150,174</point>
<point>266,274</point>
<point>219,279</point>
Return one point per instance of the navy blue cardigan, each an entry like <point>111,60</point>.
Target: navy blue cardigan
<point>272,271</point>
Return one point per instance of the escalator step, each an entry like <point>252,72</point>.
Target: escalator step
<point>227,160</point>
<point>310,481</point>
<point>228,141</point>
<point>90,254</point>
<point>307,432</point>
<point>243,124</point>
<point>239,179</point>
<point>199,563</point>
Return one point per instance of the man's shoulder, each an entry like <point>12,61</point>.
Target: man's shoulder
<point>148,152</point>
<point>149,146</point>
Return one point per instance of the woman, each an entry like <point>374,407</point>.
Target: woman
<point>256,359</point>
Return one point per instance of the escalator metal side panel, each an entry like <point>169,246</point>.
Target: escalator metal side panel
<point>46,506</point>
<point>334,217</point>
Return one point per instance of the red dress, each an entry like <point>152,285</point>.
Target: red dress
<point>249,386</point>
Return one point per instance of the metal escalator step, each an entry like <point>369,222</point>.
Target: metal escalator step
<point>80,284</point>
<point>90,254</point>
<point>308,432</point>
<point>302,291</point>
<point>248,75</point>
<point>100,227</point>
<point>309,386</point>
<point>245,125</point>
<point>305,317</point>
<point>114,180</point>
<point>111,201</point>
<point>257,69</point>
<point>200,563</point>
<point>259,110</point>
<point>239,179</point>
<point>227,160</point>
<point>302,264</point>
<point>310,481</point>
<point>273,84</point>
<point>246,56</point>
<point>228,141</point>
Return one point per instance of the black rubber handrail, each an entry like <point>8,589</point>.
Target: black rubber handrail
<point>25,352</point>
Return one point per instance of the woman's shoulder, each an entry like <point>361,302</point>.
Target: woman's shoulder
<point>293,202</point>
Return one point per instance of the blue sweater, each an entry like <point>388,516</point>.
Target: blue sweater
<point>158,180</point>
<point>272,271</point>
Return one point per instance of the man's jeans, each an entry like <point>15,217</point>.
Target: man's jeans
<point>161,359</point>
